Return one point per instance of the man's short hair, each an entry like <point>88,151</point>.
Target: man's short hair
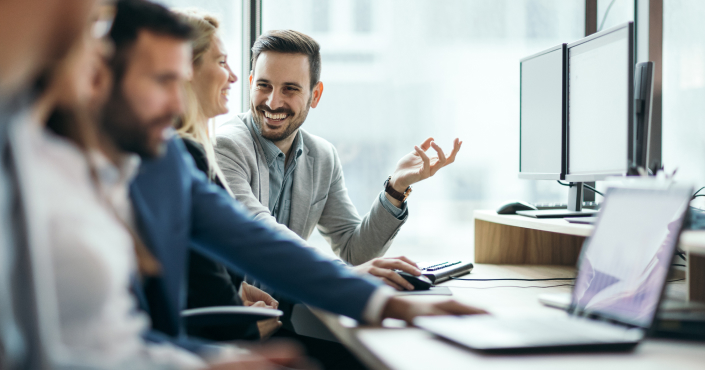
<point>290,42</point>
<point>134,16</point>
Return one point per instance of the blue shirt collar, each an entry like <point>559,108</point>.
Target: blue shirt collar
<point>271,151</point>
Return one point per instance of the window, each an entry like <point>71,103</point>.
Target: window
<point>684,91</point>
<point>612,13</point>
<point>399,71</point>
<point>229,13</point>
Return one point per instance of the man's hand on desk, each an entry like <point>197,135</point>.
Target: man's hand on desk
<point>399,308</point>
<point>383,268</point>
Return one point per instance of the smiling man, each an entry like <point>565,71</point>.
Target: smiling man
<point>294,180</point>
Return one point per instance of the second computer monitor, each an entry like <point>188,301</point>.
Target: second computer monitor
<point>600,75</point>
<point>542,115</point>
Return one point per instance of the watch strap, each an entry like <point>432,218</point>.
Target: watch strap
<point>395,194</point>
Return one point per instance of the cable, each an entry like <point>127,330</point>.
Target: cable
<point>593,189</point>
<point>604,18</point>
<point>513,279</point>
<point>699,195</point>
<point>681,255</point>
<point>677,264</point>
<point>509,286</point>
<point>570,185</point>
<point>696,193</point>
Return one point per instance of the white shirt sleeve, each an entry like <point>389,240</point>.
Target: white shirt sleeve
<point>373,311</point>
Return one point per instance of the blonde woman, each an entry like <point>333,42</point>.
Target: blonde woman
<point>210,284</point>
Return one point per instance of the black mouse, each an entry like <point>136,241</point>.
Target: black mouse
<point>419,282</point>
<point>511,208</point>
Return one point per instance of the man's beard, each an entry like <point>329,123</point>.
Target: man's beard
<point>121,124</point>
<point>294,124</point>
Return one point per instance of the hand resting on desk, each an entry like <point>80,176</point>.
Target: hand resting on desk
<point>383,268</point>
<point>399,308</point>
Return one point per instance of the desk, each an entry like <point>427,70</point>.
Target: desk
<point>512,239</point>
<point>693,243</point>
<point>398,347</point>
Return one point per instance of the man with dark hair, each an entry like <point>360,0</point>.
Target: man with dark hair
<point>176,208</point>
<point>293,180</point>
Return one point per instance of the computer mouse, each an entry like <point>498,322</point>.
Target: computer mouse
<point>511,208</point>
<point>419,282</point>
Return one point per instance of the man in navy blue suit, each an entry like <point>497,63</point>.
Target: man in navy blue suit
<point>176,208</point>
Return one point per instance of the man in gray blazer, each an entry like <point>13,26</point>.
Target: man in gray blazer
<point>294,180</point>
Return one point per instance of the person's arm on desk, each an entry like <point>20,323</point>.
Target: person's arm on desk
<point>399,308</point>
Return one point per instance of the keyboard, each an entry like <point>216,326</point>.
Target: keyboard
<point>545,206</point>
<point>440,272</point>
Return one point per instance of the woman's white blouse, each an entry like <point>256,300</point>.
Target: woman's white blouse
<point>93,262</point>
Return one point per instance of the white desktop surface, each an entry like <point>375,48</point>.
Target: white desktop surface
<point>555,225</point>
<point>397,347</point>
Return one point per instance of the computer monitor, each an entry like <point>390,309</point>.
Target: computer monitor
<point>600,81</point>
<point>643,98</point>
<point>542,115</point>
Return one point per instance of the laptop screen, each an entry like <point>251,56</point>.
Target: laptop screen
<point>624,264</point>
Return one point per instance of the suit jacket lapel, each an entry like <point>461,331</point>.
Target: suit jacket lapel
<point>302,193</point>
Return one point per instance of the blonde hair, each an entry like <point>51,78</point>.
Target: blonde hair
<point>205,27</point>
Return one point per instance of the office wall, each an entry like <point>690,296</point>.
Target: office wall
<point>398,71</point>
<point>684,91</point>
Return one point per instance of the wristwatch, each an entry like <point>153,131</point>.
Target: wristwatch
<point>395,194</point>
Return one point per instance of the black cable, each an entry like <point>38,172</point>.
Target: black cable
<point>696,193</point>
<point>509,286</point>
<point>681,255</point>
<point>592,189</point>
<point>570,185</point>
<point>513,279</point>
<point>699,195</point>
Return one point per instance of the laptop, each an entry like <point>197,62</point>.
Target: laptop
<point>621,275</point>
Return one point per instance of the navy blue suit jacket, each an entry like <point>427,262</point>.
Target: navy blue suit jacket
<point>177,208</point>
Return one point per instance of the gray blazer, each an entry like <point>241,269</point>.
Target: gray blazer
<point>319,196</point>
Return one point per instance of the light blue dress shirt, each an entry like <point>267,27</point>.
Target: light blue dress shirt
<point>280,175</point>
<point>281,179</point>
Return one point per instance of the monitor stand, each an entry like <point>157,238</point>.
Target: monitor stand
<point>575,206</point>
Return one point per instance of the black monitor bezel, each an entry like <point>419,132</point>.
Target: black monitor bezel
<point>552,175</point>
<point>583,177</point>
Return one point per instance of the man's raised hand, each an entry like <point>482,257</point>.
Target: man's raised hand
<point>417,165</point>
